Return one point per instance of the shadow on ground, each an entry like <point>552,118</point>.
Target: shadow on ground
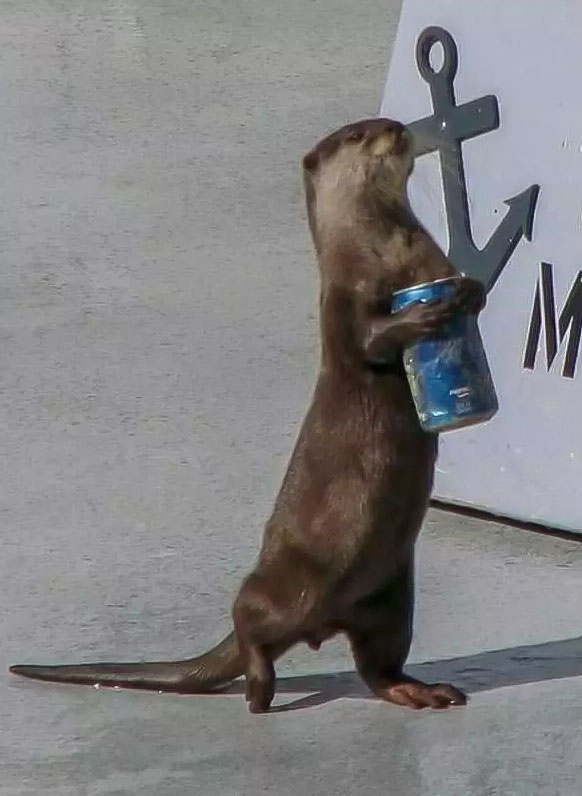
<point>473,673</point>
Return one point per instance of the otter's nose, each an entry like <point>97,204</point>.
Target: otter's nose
<point>400,138</point>
<point>389,137</point>
<point>396,129</point>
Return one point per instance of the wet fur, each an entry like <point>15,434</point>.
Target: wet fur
<point>338,550</point>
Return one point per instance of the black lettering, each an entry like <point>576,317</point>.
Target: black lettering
<point>544,311</point>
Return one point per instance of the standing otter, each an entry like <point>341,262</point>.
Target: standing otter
<point>338,550</point>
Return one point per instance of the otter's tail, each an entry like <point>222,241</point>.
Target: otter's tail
<point>215,668</point>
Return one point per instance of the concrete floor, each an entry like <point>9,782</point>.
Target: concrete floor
<point>158,321</point>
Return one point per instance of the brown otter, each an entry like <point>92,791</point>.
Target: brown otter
<point>338,550</point>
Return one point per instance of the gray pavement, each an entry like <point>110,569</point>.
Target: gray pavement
<point>159,343</point>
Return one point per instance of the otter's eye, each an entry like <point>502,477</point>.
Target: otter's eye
<point>355,136</point>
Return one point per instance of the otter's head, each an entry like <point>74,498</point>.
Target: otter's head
<point>361,165</point>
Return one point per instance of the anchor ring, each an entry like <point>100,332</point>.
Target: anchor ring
<point>426,41</point>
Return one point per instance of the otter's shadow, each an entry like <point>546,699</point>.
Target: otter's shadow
<point>484,671</point>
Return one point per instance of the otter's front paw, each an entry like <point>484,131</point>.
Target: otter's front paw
<point>423,319</point>
<point>470,295</point>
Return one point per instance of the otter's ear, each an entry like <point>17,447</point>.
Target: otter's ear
<point>311,161</point>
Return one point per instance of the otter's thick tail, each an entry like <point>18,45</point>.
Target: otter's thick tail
<point>215,668</point>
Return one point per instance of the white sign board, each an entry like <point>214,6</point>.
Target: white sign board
<point>492,91</point>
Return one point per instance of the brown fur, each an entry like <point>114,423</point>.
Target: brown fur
<point>338,549</point>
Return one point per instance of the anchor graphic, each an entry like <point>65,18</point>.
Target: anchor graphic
<point>444,131</point>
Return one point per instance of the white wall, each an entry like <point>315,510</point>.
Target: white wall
<point>526,462</point>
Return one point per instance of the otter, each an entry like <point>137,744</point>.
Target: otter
<point>337,554</point>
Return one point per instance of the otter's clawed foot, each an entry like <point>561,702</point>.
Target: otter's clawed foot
<point>259,696</point>
<point>260,685</point>
<point>416,695</point>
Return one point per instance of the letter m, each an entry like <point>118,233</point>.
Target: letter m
<point>544,312</point>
